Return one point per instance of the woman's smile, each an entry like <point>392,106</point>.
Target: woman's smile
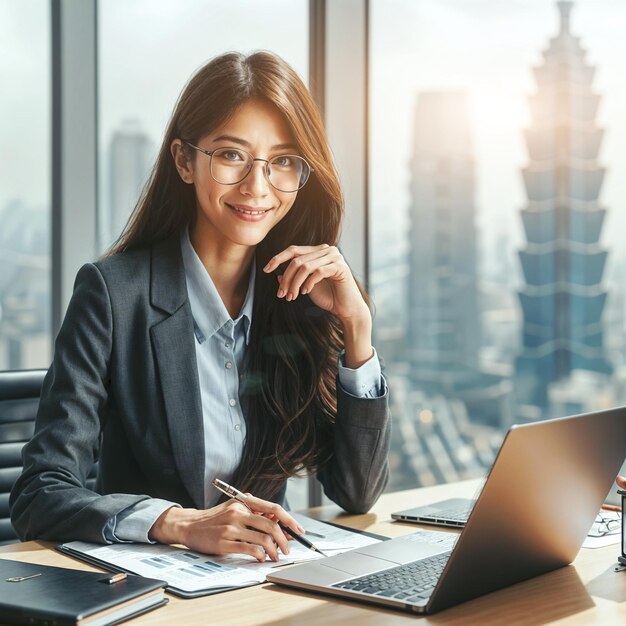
<point>248,213</point>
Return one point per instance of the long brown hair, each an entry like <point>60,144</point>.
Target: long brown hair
<point>289,389</point>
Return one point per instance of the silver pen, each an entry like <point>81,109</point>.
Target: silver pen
<point>235,494</point>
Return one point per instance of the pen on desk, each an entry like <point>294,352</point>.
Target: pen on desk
<point>235,494</point>
<point>116,578</point>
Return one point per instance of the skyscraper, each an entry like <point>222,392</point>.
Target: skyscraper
<point>129,166</point>
<point>563,261</point>
<point>434,439</point>
<point>444,327</point>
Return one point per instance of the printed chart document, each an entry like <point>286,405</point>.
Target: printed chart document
<point>190,574</point>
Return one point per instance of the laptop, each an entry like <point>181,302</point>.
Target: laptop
<point>539,501</point>
<point>454,512</point>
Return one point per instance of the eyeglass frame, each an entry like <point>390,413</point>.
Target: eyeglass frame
<point>267,162</point>
<point>601,520</point>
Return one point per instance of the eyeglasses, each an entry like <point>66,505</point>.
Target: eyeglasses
<point>604,525</point>
<point>229,166</point>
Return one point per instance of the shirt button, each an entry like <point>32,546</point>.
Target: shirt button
<point>227,344</point>
<point>228,365</point>
<point>232,402</point>
<point>237,427</point>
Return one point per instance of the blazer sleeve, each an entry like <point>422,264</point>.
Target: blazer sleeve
<point>358,472</point>
<point>49,500</point>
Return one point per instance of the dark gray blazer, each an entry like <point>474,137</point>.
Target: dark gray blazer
<point>123,390</point>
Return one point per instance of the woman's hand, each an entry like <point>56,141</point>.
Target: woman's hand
<point>322,273</point>
<point>228,528</point>
<point>621,482</point>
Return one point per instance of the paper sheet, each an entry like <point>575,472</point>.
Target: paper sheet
<point>193,571</point>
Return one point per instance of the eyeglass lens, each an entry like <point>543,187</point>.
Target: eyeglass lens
<point>285,172</point>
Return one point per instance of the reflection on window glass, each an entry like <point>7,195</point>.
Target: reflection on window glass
<point>25,302</point>
<point>147,52</point>
<point>497,135</point>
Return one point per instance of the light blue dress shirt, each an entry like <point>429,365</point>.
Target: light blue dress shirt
<point>221,344</point>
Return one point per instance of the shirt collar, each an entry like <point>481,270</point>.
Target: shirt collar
<point>207,306</point>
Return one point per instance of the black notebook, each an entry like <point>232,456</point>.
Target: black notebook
<point>40,594</point>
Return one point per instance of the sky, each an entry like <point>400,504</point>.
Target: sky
<point>25,102</point>
<point>486,48</point>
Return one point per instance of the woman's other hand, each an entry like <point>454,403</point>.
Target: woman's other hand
<point>323,274</point>
<point>228,528</point>
<point>621,482</point>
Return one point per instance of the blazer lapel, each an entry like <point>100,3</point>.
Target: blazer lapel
<point>173,344</point>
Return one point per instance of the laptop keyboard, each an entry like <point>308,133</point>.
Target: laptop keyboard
<point>456,514</point>
<point>411,582</point>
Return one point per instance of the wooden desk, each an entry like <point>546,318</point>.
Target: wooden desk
<point>589,592</point>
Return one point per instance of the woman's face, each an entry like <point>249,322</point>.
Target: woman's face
<point>245,212</point>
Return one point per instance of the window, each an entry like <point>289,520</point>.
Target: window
<point>496,211</point>
<point>25,302</point>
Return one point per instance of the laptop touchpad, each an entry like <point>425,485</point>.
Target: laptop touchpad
<point>356,563</point>
<point>401,551</point>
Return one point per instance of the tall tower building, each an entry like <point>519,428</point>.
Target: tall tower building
<point>444,327</point>
<point>563,261</point>
<point>129,166</point>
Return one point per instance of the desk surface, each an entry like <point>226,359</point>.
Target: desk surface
<point>588,592</point>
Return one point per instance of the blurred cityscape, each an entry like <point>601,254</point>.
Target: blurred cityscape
<point>468,353</point>
<point>25,311</point>
<point>469,348</point>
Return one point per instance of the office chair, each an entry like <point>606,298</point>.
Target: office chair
<point>19,399</point>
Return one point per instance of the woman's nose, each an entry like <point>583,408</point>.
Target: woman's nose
<point>256,183</point>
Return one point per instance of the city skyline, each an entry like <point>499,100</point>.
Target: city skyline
<point>500,150</point>
<point>545,352</point>
<point>418,51</point>
<point>458,10</point>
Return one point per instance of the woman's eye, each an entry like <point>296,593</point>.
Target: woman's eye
<point>283,161</point>
<point>232,155</point>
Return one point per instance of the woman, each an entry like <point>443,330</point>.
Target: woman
<point>207,343</point>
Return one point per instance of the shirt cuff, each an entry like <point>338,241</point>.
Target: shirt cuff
<point>365,381</point>
<point>134,523</point>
